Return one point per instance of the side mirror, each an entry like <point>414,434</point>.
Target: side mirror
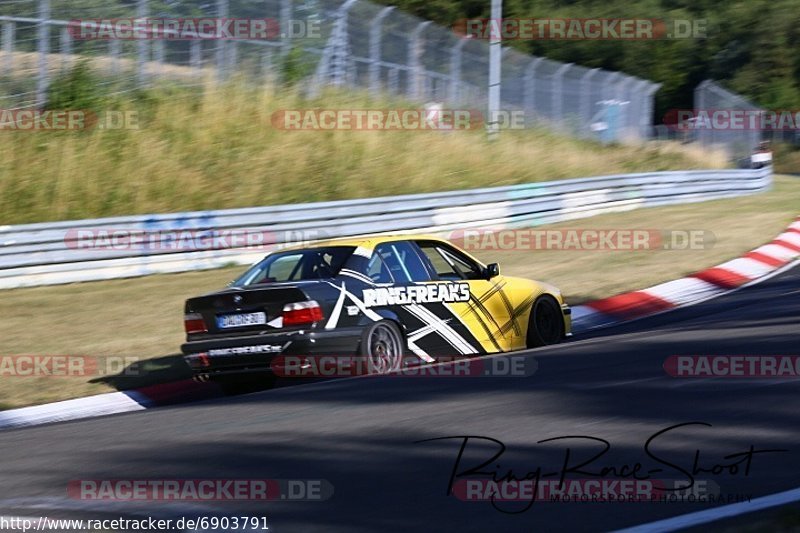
<point>492,270</point>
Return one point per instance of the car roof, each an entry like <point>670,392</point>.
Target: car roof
<point>367,241</point>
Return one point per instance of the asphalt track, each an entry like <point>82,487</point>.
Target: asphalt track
<point>360,434</point>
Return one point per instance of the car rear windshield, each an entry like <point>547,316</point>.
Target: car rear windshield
<point>297,265</point>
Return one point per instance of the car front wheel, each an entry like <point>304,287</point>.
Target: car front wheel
<point>546,324</point>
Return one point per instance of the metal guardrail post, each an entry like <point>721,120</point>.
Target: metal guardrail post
<point>375,50</point>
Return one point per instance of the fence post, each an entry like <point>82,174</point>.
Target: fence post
<point>641,108</point>
<point>455,72</point>
<point>221,52</point>
<point>375,50</point>
<point>231,56</point>
<point>65,50</point>
<point>336,54</point>
<point>141,45</point>
<point>195,61</point>
<point>285,20</point>
<point>415,74</point>
<point>608,87</point>
<point>648,102</point>
<point>8,47</point>
<point>158,53</point>
<point>557,97</point>
<point>393,80</point>
<point>586,97</point>
<point>267,70</point>
<point>114,51</point>
<point>624,105</point>
<point>43,44</point>
<point>529,89</point>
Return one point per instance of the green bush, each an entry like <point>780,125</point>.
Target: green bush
<point>78,88</point>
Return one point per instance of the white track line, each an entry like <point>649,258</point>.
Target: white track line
<point>717,513</point>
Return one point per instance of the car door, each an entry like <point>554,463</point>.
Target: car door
<point>489,314</point>
<point>399,274</point>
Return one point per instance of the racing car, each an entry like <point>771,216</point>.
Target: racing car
<point>383,298</point>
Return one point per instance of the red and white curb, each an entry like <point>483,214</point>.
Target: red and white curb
<point>685,291</point>
<point>110,403</point>
<point>700,286</point>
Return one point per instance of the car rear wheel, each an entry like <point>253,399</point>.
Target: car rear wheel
<point>382,345</point>
<point>546,324</point>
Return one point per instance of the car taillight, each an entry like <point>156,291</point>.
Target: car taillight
<point>301,313</point>
<point>193,323</point>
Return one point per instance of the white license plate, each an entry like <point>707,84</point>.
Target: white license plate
<point>241,320</point>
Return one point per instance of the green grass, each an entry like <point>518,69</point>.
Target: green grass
<point>216,148</point>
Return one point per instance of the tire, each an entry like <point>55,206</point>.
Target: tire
<point>383,346</point>
<point>546,323</point>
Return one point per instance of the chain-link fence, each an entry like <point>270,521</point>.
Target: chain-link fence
<point>353,43</point>
<point>717,122</point>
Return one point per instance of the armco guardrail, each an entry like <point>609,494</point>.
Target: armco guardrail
<point>53,252</point>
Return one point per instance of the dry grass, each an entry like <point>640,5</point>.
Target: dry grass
<point>738,225</point>
<point>143,317</point>
<point>217,149</point>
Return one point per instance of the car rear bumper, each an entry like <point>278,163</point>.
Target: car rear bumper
<point>254,353</point>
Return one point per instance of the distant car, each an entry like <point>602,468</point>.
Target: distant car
<point>761,156</point>
<point>386,298</point>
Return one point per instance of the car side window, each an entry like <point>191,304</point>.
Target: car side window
<point>284,268</point>
<point>377,269</point>
<point>402,261</point>
<point>450,264</point>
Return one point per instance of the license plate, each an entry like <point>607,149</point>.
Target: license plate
<point>241,320</point>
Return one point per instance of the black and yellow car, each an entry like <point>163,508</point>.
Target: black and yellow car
<point>386,298</point>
